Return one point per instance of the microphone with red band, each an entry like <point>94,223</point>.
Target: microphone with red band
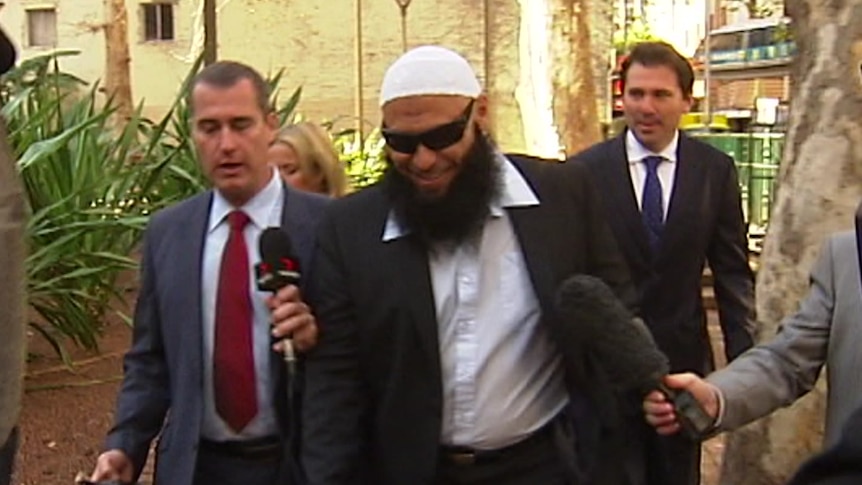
<point>624,347</point>
<point>277,269</point>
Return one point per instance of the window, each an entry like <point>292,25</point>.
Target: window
<point>729,41</point>
<point>41,27</point>
<point>761,37</point>
<point>158,21</point>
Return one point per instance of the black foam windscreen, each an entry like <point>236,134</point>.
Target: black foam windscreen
<point>278,267</point>
<point>622,345</point>
<point>275,247</point>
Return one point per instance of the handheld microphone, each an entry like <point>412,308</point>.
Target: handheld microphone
<point>624,347</point>
<point>277,269</point>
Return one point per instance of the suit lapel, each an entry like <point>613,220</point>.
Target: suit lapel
<point>414,274</point>
<point>628,225</point>
<point>296,223</point>
<point>187,274</point>
<point>689,170</point>
<point>530,229</point>
<point>413,291</point>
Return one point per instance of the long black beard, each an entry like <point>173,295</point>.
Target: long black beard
<point>458,214</point>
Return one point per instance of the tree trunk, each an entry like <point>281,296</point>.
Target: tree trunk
<point>820,186</point>
<point>118,82</point>
<point>534,92</point>
<point>602,45</point>
<point>556,93</point>
<point>210,32</point>
<point>573,78</point>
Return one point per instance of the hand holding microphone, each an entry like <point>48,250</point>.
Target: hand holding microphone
<point>659,411</point>
<point>279,273</point>
<point>625,350</point>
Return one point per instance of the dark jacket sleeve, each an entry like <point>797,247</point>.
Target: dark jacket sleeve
<point>732,276</point>
<point>7,53</point>
<point>335,404</point>
<point>606,261</point>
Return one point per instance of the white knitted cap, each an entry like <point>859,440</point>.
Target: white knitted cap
<point>429,70</point>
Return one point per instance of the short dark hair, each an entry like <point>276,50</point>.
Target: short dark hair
<point>651,54</point>
<point>225,74</point>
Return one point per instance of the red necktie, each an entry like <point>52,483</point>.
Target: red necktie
<point>233,358</point>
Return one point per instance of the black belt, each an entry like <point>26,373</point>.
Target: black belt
<point>260,449</point>
<point>463,456</point>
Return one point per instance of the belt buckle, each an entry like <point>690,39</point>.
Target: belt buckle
<point>463,458</point>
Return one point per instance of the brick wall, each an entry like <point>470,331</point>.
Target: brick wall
<point>314,41</point>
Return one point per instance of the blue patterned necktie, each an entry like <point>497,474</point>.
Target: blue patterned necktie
<point>652,209</point>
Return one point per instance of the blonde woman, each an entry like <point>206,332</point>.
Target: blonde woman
<point>306,158</point>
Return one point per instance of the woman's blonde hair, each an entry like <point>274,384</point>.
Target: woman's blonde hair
<point>316,155</point>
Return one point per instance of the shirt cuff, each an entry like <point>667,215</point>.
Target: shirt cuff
<point>719,416</point>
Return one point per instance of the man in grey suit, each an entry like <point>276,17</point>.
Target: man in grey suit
<point>825,330</point>
<point>202,371</point>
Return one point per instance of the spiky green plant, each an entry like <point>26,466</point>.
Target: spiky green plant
<point>77,182</point>
<point>90,189</point>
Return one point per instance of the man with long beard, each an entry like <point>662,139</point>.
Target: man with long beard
<point>438,361</point>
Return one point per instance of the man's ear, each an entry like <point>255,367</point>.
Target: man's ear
<point>271,121</point>
<point>481,112</point>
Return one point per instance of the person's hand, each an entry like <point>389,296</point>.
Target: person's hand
<point>113,465</point>
<point>291,318</point>
<point>658,410</point>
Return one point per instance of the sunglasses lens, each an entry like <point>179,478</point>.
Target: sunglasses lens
<point>400,142</point>
<point>435,139</point>
<point>444,136</point>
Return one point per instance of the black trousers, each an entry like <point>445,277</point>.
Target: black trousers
<point>634,454</point>
<point>225,467</point>
<point>671,460</point>
<point>7,457</point>
<point>536,460</point>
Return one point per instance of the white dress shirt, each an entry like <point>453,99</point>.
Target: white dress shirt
<point>502,376</point>
<point>264,210</point>
<point>636,152</point>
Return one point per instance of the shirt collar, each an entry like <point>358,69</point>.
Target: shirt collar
<point>636,152</point>
<point>258,208</point>
<point>516,192</point>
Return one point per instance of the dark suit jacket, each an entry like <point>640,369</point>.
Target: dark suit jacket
<point>841,464</point>
<point>7,53</point>
<point>162,387</point>
<point>373,402</point>
<point>704,223</point>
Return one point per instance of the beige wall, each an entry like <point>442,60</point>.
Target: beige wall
<point>314,42</point>
<point>157,67</point>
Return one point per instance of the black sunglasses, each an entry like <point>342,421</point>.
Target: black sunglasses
<point>435,139</point>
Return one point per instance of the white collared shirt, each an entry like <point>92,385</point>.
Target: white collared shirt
<point>502,376</point>
<point>264,210</point>
<point>636,152</point>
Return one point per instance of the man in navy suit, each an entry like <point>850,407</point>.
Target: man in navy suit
<point>673,204</point>
<point>202,371</point>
